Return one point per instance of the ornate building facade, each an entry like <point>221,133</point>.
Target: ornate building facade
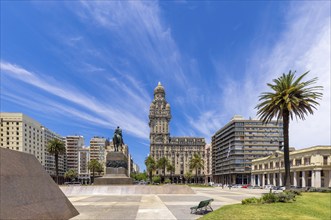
<point>178,150</point>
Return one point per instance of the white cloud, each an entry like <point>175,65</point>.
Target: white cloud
<point>103,111</point>
<point>303,45</point>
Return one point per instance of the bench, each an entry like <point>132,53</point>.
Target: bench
<point>203,205</point>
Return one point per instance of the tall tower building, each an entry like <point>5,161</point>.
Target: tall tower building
<point>159,117</point>
<point>73,145</point>
<point>239,142</point>
<point>178,150</point>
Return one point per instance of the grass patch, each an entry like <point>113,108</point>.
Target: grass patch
<point>307,206</point>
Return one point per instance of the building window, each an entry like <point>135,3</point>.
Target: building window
<point>325,160</point>
<point>307,160</point>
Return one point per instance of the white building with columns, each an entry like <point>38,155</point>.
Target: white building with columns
<point>310,167</point>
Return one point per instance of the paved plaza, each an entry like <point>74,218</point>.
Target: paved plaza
<point>155,206</point>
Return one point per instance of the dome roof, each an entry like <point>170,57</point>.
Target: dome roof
<point>159,89</point>
<point>167,106</point>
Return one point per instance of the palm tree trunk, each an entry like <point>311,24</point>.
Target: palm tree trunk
<point>57,168</point>
<point>196,175</point>
<point>286,123</point>
<point>150,176</point>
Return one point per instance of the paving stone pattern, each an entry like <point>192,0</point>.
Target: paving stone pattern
<point>155,206</point>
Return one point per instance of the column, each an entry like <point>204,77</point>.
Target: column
<point>274,179</point>
<point>295,183</point>
<point>259,179</point>
<point>263,180</point>
<point>329,178</point>
<point>253,180</point>
<point>313,178</point>
<point>303,179</point>
<point>317,178</point>
<point>280,179</point>
<point>268,178</point>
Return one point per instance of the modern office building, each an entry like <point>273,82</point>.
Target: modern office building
<point>239,142</point>
<point>135,168</point>
<point>73,145</point>
<point>83,160</point>
<point>98,148</point>
<point>309,167</point>
<point>22,133</point>
<point>50,159</point>
<point>208,164</point>
<point>178,150</point>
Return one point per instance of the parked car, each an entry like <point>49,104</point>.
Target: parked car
<point>269,186</point>
<point>279,188</point>
<point>246,186</point>
<point>237,186</point>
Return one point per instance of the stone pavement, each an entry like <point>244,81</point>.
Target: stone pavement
<point>155,206</point>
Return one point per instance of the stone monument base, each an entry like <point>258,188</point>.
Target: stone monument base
<point>113,180</point>
<point>116,171</point>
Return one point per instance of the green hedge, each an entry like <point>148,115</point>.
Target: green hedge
<point>287,196</point>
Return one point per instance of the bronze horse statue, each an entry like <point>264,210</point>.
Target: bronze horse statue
<point>117,141</point>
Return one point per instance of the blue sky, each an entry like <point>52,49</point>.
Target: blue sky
<point>84,68</point>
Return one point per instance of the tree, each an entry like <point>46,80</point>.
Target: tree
<point>93,166</point>
<point>290,97</point>
<point>56,147</point>
<point>162,163</point>
<point>100,168</point>
<point>150,166</point>
<point>188,176</point>
<point>71,174</point>
<point>196,163</point>
<point>171,169</point>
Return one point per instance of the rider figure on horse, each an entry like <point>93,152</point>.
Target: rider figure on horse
<point>118,138</point>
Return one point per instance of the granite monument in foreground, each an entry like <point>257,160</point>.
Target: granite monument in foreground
<point>116,164</point>
<point>27,191</point>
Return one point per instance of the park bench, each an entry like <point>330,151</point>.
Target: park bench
<point>203,205</point>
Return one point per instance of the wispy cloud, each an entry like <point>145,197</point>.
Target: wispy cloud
<point>303,45</point>
<point>95,111</point>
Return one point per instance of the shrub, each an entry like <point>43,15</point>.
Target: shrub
<point>294,191</point>
<point>324,190</point>
<point>167,180</point>
<point>269,198</point>
<point>252,200</point>
<point>156,179</point>
<point>286,197</point>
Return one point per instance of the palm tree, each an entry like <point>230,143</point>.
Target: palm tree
<point>162,163</point>
<point>56,148</point>
<point>71,174</point>
<point>150,166</point>
<point>188,176</point>
<point>196,163</point>
<point>290,97</point>
<point>93,166</point>
<point>100,168</point>
<point>171,169</point>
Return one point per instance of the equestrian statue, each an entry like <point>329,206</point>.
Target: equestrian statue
<point>118,138</point>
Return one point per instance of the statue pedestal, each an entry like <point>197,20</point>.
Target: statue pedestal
<point>116,170</point>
